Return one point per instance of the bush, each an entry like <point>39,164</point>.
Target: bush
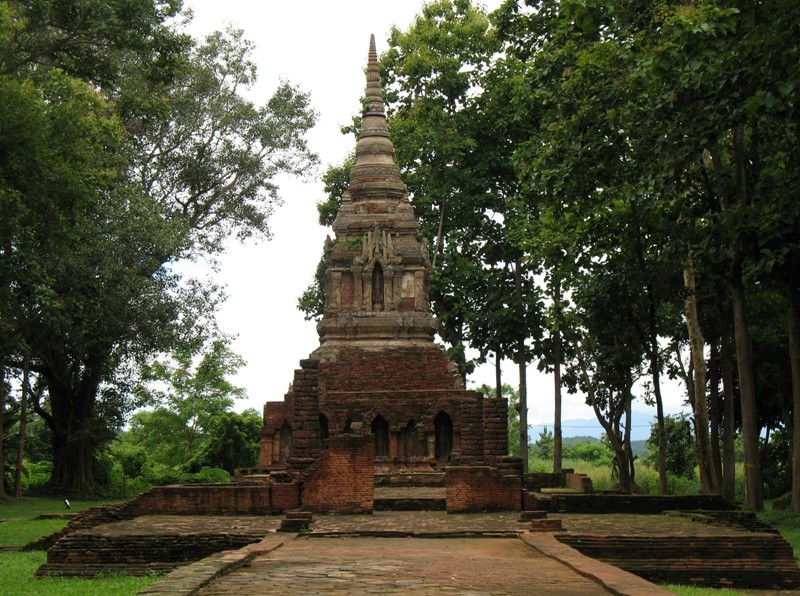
<point>680,450</point>
<point>208,475</point>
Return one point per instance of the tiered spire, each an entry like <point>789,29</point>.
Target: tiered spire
<point>375,174</point>
<point>377,275</point>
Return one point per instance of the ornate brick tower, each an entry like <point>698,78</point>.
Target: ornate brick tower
<point>376,282</point>
<point>377,373</point>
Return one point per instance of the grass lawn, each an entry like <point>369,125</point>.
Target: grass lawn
<point>17,528</point>
<point>16,577</point>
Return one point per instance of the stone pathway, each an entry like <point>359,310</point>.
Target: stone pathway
<point>403,565</point>
<point>428,552</point>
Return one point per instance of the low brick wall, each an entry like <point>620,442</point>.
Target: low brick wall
<point>202,499</point>
<point>734,561</point>
<point>622,503</point>
<point>86,554</point>
<point>285,496</point>
<point>343,479</point>
<point>481,488</point>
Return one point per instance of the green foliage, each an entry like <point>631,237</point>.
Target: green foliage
<point>595,453</point>
<point>232,442</point>
<point>680,446</point>
<point>122,149</point>
<point>776,458</point>
<point>191,435</point>
<point>336,181</point>
<point>543,447</point>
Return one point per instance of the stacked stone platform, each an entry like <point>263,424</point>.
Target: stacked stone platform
<point>735,561</point>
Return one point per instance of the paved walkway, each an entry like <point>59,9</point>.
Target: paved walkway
<point>426,552</point>
<point>404,565</point>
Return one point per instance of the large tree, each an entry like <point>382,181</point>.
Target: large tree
<point>129,147</point>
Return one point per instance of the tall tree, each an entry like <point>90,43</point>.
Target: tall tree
<point>106,195</point>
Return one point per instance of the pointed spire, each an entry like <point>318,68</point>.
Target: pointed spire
<point>373,93</point>
<point>375,174</point>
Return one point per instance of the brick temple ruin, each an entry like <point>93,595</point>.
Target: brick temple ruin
<point>378,397</point>
<point>377,403</point>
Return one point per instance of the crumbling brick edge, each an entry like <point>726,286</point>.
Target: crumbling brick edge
<point>190,579</point>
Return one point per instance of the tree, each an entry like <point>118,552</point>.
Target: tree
<point>106,195</point>
<point>544,446</point>
<point>232,442</point>
<point>454,135</point>
<point>192,393</point>
<point>681,455</point>
<point>700,100</point>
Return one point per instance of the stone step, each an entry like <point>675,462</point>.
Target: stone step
<point>410,479</point>
<point>410,504</point>
<point>737,561</point>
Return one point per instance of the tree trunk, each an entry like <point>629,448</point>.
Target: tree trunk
<point>611,427</point>
<point>626,438</point>
<point>655,367</point>
<point>794,356</point>
<point>2,413</point>
<point>715,412</point>
<point>498,375</point>
<point>523,375</point>
<point>729,419</point>
<point>753,498</point>
<point>72,423</point>
<point>23,419</point>
<point>557,437</point>
<point>699,401</point>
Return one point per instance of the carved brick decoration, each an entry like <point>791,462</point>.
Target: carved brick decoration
<point>377,374</point>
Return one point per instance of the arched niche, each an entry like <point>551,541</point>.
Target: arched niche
<point>380,428</point>
<point>377,287</point>
<point>323,429</point>
<point>443,430</point>
<point>286,443</point>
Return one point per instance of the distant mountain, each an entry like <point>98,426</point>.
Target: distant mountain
<point>590,427</point>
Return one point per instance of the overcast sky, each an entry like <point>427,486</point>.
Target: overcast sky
<point>320,46</point>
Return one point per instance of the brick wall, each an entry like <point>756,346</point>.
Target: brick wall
<point>305,430</point>
<point>86,555</point>
<point>482,488</point>
<point>495,427</point>
<point>343,480</point>
<point>284,496</point>
<point>395,369</point>
<point>737,561</point>
<point>201,499</point>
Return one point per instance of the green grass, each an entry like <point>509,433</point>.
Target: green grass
<point>17,577</point>
<point>30,507</point>
<point>788,523</point>
<point>18,526</point>
<point>17,568</point>
<point>695,591</point>
<point>19,532</point>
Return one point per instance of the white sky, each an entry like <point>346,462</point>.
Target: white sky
<point>321,46</point>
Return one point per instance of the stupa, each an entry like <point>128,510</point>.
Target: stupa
<point>377,385</point>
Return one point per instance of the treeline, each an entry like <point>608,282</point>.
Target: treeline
<point>609,190</point>
<point>126,147</point>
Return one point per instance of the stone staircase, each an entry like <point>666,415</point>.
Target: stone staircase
<point>756,560</point>
<point>410,491</point>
